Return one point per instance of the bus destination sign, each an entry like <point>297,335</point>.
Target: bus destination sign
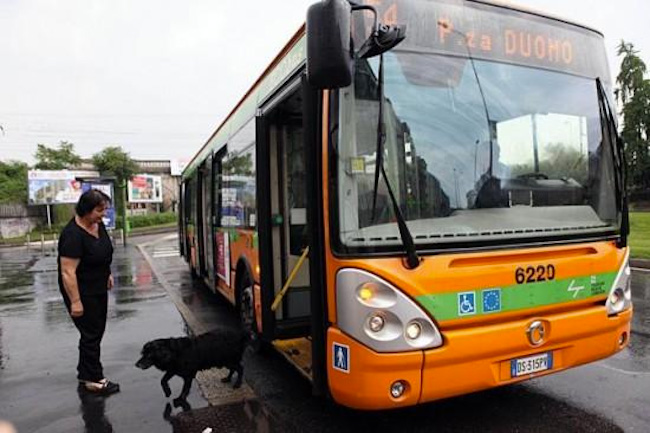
<point>496,33</point>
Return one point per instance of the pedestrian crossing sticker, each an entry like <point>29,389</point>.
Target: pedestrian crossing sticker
<point>341,357</point>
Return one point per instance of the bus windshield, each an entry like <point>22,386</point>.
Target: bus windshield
<point>475,150</point>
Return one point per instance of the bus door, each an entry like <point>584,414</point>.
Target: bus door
<point>291,208</point>
<point>207,237</point>
<point>182,235</point>
<point>283,124</point>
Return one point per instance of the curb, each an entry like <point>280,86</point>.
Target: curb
<point>133,234</point>
<point>640,263</point>
<point>153,231</point>
<point>214,392</point>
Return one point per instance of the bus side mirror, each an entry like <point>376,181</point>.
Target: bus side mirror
<point>329,41</point>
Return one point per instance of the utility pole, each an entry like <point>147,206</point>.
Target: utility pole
<point>125,223</point>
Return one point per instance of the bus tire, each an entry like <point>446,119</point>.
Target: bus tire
<point>246,307</point>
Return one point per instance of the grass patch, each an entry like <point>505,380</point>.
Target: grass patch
<point>149,220</point>
<point>640,234</point>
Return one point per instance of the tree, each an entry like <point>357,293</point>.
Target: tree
<point>633,93</point>
<point>239,165</point>
<point>13,182</point>
<point>114,161</point>
<point>60,158</point>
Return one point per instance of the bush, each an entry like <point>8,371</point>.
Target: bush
<point>154,219</point>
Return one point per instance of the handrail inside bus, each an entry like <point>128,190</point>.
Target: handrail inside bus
<point>294,272</point>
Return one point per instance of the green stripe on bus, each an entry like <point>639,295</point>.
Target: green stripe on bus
<point>494,300</point>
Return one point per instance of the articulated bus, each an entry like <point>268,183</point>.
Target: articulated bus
<point>420,199</point>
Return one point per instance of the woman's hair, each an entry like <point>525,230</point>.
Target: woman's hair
<point>89,200</point>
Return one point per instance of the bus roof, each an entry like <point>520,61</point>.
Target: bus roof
<point>219,137</point>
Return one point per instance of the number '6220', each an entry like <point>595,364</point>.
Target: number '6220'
<point>534,274</point>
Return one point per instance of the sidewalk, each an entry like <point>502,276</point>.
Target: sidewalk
<point>230,409</point>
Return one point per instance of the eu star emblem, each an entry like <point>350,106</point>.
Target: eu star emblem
<point>491,300</point>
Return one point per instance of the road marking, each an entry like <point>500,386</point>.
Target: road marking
<point>641,270</point>
<point>575,289</point>
<point>157,255</point>
<point>166,250</point>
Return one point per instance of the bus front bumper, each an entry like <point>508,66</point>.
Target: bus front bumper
<point>471,359</point>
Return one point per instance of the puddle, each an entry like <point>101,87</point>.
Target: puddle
<point>245,417</point>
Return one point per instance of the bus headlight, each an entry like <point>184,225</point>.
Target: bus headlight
<point>376,323</point>
<point>413,331</point>
<point>620,295</point>
<point>375,313</point>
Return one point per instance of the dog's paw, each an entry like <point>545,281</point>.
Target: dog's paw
<point>168,412</point>
<point>182,402</point>
<point>237,385</point>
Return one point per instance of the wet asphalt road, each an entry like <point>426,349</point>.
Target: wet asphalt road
<point>38,356</point>
<point>38,349</point>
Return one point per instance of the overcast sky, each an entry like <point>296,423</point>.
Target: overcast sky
<point>158,76</point>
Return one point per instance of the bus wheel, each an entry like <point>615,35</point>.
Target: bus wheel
<point>247,311</point>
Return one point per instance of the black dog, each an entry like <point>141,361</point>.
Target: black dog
<point>186,356</point>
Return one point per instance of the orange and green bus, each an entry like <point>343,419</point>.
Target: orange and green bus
<point>420,199</point>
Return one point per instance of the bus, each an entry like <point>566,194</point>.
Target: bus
<point>420,199</point>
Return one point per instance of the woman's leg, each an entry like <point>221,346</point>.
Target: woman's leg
<point>91,328</point>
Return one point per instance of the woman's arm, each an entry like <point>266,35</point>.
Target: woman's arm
<point>69,276</point>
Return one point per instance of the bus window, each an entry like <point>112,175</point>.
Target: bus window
<point>238,207</point>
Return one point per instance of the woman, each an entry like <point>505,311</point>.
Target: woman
<point>85,256</point>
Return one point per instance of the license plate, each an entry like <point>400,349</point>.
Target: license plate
<point>531,364</point>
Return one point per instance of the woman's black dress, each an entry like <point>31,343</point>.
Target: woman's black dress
<point>95,256</point>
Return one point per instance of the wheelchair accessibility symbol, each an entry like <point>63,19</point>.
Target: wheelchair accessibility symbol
<point>466,303</point>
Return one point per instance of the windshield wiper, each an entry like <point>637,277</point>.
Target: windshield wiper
<point>412,259</point>
<point>618,157</point>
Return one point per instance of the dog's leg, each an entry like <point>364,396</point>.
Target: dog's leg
<point>167,413</point>
<point>182,404</point>
<point>187,384</point>
<point>229,378</point>
<point>165,383</point>
<point>240,375</point>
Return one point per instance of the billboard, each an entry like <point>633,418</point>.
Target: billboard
<point>177,166</point>
<point>55,187</point>
<point>145,188</point>
<point>106,188</point>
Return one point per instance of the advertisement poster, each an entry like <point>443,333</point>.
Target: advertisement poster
<point>223,256</point>
<point>106,188</point>
<point>177,166</point>
<point>55,187</point>
<point>145,188</point>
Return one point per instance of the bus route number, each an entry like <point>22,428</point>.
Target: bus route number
<point>534,274</point>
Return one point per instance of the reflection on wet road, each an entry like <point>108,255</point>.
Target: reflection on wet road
<point>38,348</point>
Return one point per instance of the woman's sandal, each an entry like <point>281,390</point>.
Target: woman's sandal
<point>103,387</point>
